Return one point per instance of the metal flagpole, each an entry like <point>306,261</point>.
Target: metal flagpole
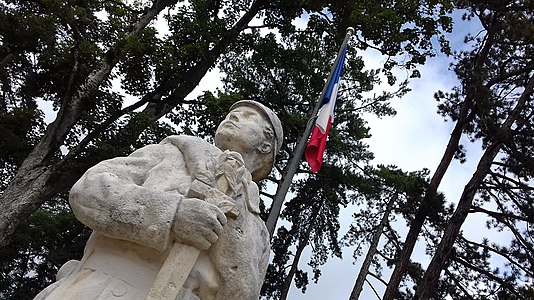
<point>280,195</point>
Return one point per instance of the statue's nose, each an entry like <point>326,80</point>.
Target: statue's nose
<point>234,116</point>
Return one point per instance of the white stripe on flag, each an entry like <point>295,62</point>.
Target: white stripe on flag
<point>327,111</point>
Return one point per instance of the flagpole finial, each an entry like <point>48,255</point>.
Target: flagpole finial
<point>350,30</point>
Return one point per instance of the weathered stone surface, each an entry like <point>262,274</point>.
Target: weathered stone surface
<point>177,220</point>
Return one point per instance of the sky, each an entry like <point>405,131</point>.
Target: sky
<point>413,139</point>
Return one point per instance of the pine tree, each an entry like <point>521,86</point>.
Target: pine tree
<point>71,54</point>
<point>492,104</point>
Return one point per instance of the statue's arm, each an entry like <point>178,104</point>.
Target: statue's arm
<point>110,198</point>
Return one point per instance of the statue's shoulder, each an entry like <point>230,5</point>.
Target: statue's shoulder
<point>191,146</point>
<point>179,139</point>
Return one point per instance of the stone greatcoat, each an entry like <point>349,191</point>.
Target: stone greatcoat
<point>130,203</point>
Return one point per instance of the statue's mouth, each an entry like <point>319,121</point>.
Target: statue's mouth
<point>231,123</point>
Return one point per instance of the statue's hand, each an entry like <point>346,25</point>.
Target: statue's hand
<point>198,223</point>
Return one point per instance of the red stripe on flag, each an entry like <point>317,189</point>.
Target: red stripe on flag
<point>316,146</point>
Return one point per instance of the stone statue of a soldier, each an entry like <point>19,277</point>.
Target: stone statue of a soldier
<point>183,191</point>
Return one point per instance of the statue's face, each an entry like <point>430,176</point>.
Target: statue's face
<point>243,131</point>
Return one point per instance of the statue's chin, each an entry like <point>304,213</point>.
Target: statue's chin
<point>225,139</point>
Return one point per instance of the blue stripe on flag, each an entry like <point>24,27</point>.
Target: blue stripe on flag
<point>335,78</point>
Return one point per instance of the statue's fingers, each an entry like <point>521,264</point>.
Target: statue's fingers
<point>212,237</point>
<point>225,206</point>
<point>218,228</point>
<point>202,244</point>
<point>221,218</point>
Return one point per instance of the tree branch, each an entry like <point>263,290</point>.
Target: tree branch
<point>475,209</point>
<point>458,284</point>
<point>489,275</point>
<point>373,288</point>
<point>501,253</point>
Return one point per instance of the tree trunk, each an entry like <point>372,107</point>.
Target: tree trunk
<point>364,270</point>
<point>32,185</point>
<point>157,109</point>
<point>294,265</point>
<point>430,279</point>
<point>465,116</point>
<point>417,224</point>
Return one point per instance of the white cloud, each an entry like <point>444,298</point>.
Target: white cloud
<point>413,139</point>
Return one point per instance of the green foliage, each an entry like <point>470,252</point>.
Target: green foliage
<point>313,215</point>
<point>495,92</point>
<point>47,240</point>
<point>53,52</point>
<point>139,56</point>
<point>398,28</point>
<point>386,184</point>
<point>20,131</point>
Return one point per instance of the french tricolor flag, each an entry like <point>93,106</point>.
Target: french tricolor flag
<point>325,117</point>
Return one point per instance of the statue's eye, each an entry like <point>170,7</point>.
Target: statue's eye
<point>252,115</point>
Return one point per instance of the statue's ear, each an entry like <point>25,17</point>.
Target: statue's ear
<point>265,147</point>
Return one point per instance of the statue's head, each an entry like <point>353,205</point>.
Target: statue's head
<point>253,130</point>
